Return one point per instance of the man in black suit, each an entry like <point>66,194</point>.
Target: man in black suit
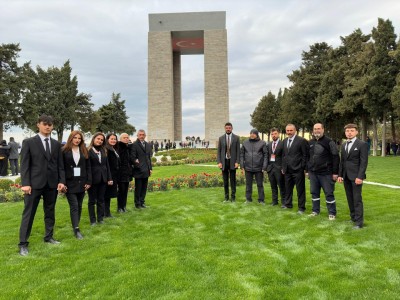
<point>294,162</point>
<point>141,157</point>
<point>42,174</point>
<point>228,157</point>
<point>274,169</point>
<point>353,165</point>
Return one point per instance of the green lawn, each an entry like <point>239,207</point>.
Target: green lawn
<point>384,169</point>
<point>190,245</point>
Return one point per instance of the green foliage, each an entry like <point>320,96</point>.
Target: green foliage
<point>55,92</point>
<point>12,86</point>
<point>164,158</point>
<point>5,184</point>
<point>114,118</point>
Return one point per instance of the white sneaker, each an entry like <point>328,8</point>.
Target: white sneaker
<point>313,214</point>
<point>332,217</point>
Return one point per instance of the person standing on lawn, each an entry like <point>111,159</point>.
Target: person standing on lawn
<point>294,163</point>
<point>101,177</point>
<point>228,157</point>
<point>114,164</point>
<point>353,165</point>
<point>254,160</point>
<point>125,171</point>
<point>274,169</point>
<point>78,175</point>
<point>140,153</point>
<point>323,170</point>
<point>42,174</point>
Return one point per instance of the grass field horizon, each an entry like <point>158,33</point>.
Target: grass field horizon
<point>189,244</point>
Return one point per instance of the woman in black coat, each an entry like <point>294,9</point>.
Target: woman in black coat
<point>78,176</point>
<point>114,163</point>
<point>101,177</point>
<point>4,153</point>
<point>125,172</point>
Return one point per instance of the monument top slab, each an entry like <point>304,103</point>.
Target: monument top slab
<point>187,21</point>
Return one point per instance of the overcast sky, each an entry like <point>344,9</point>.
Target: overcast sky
<point>106,43</point>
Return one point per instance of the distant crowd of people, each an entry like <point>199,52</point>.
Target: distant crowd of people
<point>288,162</point>
<point>168,145</point>
<point>104,170</point>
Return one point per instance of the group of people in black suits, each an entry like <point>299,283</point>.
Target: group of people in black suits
<point>289,161</point>
<point>104,170</point>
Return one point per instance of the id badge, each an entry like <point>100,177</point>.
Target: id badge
<point>272,157</point>
<point>77,171</point>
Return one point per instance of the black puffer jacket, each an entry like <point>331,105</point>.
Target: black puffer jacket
<point>254,155</point>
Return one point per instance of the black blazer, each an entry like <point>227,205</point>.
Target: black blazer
<point>76,184</point>
<point>36,169</point>
<point>295,158</point>
<point>354,164</point>
<point>100,171</point>
<point>278,156</point>
<point>141,169</point>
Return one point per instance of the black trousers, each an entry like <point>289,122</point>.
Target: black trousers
<point>298,179</point>
<point>31,203</point>
<point>229,175</point>
<point>96,198</point>
<point>276,179</point>
<point>75,207</point>
<point>14,166</point>
<point>4,167</point>
<point>354,200</point>
<point>122,194</point>
<point>249,185</point>
<point>140,190</point>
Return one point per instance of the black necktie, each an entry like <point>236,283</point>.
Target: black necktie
<point>273,147</point>
<point>228,146</point>
<point>143,145</point>
<point>290,141</point>
<point>47,148</point>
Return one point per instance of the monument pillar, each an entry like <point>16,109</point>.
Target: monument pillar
<point>170,36</point>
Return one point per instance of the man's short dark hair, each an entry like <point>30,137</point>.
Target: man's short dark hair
<point>275,129</point>
<point>46,119</point>
<point>228,124</point>
<point>351,125</point>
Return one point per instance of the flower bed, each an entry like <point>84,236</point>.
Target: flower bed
<point>10,191</point>
<point>202,180</point>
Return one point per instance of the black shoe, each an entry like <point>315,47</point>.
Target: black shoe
<point>52,241</point>
<point>101,222</point>
<point>23,251</point>
<point>138,207</point>
<point>357,227</point>
<point>109,216</point>
<point>274,204</point>
<point>261,202</point>
<point>120,210</point>
<point>233,198</point>
<point>78,234</point>
<point>144,206</point>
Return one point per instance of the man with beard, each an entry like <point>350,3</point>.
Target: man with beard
<point>294,162</point>
<point>228,156</point>
<point>275,176</point>
<point>323,170</point>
